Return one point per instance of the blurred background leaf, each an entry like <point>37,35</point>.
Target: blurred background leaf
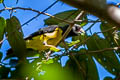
<point>1,1</point>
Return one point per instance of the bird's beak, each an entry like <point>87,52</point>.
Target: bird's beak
<point>81,31</point>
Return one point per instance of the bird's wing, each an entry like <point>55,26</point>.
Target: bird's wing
<point>48,29</point>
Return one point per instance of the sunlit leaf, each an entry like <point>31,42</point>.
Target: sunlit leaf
<point>48,61</point>
<point>73,43</point>
<point>1,1</point>
<point>52,48</point>
<point>81,39</point>
<point>56,72</point>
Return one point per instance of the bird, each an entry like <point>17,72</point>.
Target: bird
<point>47,37</point>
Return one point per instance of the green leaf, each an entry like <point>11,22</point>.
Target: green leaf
<point>24,70</point>
<point>17,24</point>
<point>4,72</point>
<point>81,38</point>
<point>82,50</point>
<point>2,27</point>
<point>69,15</point>
<point>15,36</point>
<point>73,43</point>
<point>108,78</point>
<point>62,44</point>
<point>81,67</point>
<point>109,61</point>
<point>108,58</point>
<point>32,53</point>
<point>13,62</point>
<point>92,68</point>
<point>112,36</point>
<point>9,54</point>
<point>109,34</point>
<point>1,1</point>
<point>91,44</point>
<point>48,61</point>
<point>55,49</point>
<point>1,55</point>
<point>54,71</point>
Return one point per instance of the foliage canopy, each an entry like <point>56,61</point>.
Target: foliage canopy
<point>83,51</point>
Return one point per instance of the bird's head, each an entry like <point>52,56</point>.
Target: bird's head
<point>77,29</point>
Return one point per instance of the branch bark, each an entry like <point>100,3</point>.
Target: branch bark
<point>99,8</point>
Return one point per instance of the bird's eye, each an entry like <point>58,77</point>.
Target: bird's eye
<point>76,28</point>
<point>43,43</point>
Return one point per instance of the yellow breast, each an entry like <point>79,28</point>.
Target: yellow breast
<point>51,38</point>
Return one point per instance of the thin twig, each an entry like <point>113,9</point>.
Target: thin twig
<point>90,52</point>
<point>40,14</point>
<point>30,9</point>
<point>79,16</point>
<point>106,30</point>
<point>99,51</point>
<point>103,50</point>
<point>4,4</point>
<point>65,45</point>
<point>88,21</point>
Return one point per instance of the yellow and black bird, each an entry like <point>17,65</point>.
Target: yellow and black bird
<point>48,37</point>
